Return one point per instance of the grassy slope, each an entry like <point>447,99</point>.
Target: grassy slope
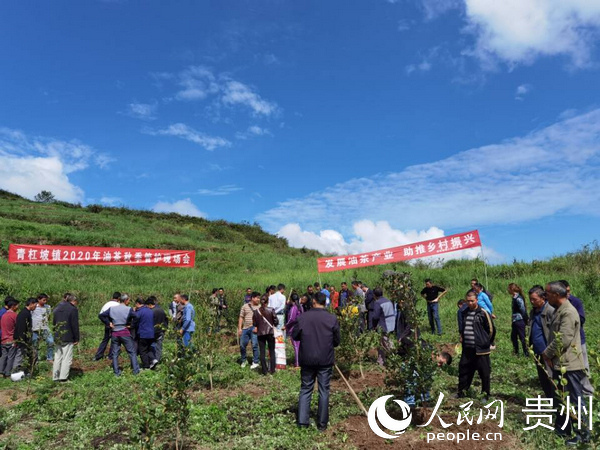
<point>232,256</point>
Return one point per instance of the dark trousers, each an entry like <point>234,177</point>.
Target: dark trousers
<point>434,317</point>
<point>307,377</point>
<point>518,334</point>
<point>9,351</point>
<point>22,361</point>
<point>470,363</point>
<point>158,346</point>
<point>115,349</point>
<point>103,345</point>
<point>575,380</point>
<point>544,377</point>
<point>146,352</point>
<point>267,339</point>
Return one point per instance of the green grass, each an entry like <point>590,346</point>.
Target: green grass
<point>247,410</point>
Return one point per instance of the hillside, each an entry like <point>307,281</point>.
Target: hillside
<point>244,410</point>
<point>223,250</point>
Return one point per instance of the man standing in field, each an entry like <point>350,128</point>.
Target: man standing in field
<point>362,309</point>
<point>145,335</point>
<point>7,324</point>
<point>578,305</point>
<point>384,319</point>
<point>107,330</point>
<point>344,296</point>
<point>178,317</point>
<point>119,319</point>
<point>161,325</point>
<point>248,296</point>
<point>319,333</point>
<point>41,317</point>
<point>539,335</point>
<point>188,326</point>
<point>431,294</point>
<point>369,304</point>
<point>565,360</point>
<point>66,334</point>
<point>277,302</point>
<point>3,310</point>
<point>23,331</point>
<point>477,334</point>
<point>246,330</point>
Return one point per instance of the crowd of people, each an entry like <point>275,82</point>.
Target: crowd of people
<point>310,321</point>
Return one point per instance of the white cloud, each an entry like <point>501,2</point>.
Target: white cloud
<point>27,176</point>
<point>29,165</point>
<point>221,190</point>
<point>201,83</point>
<point>103,160</point>
<point>236,93</point>
<point>197,83</point>
<point>368,236</point>
<point>520,31</point>
<point>553,170</point>
<point>144,111</point>
<point>111,201</point>
<point>435,8</point>
<point>435,53</point>
<point>184,207</point>
<point>253,131</point>
<point>522,90</point>
<point>186,132</point>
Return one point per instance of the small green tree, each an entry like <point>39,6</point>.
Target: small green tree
<point>45,197</point>
<point>409,373</point>
<point>354,345</point>
<point>207,334</point>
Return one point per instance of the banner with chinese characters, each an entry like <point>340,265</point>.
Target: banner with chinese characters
<point>99,256</point>
<point>422,249</point>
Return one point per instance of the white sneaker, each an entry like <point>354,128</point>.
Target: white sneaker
<point>254,366</point>
<point>244,364</point>
<point>153,363</point>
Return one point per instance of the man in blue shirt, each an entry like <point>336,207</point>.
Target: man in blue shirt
<point>145,333</point>
<point>188,325</point>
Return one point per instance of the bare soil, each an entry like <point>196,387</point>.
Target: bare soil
<point>358,433</point>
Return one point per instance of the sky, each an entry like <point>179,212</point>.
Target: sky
<point>343,126</point>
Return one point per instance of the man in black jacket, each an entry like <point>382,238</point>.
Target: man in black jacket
<point>161,325</point>
<point>318,332</point>
<point>23,334</point>
<point>476,334</point>
<point>66,336</point>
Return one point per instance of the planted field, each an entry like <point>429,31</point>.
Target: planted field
<point>243,409</point>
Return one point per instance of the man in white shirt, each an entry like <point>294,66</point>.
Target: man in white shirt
<point>106,339</point>
<point>277,302</point>
<point>40,329</point>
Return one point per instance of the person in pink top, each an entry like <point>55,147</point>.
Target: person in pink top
<point>296,311</point>
<point>9,348</point>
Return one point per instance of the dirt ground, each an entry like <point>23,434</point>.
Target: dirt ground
<point>358,433</point>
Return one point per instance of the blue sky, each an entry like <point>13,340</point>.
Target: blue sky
<point>344,126</point>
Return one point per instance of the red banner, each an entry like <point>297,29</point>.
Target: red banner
<point>422,249</point>
<point>99,256</point>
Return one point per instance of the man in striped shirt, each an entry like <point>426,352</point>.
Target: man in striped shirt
<point>476,334</point>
